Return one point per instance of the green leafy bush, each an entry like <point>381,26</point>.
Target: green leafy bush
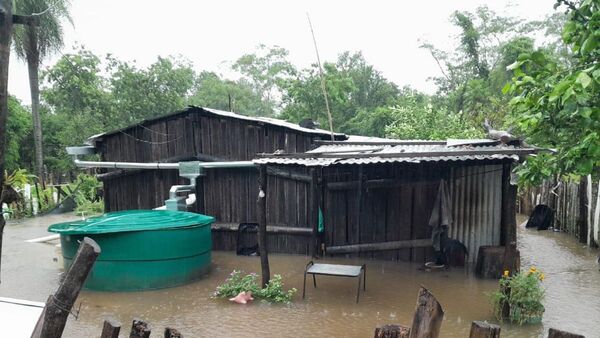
<point>236,283</point>
<point>86,196</point>
<point>522,294</point>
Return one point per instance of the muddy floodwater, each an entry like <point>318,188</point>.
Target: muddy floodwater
<point>31,271</point>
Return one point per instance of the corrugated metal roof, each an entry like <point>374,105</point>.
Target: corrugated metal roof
<point>325,154</point>
<point>210,111</point>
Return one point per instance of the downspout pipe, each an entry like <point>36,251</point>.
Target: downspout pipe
<point>180,188</point>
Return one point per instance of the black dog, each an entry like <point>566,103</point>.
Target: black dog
<point>454,253</point>
<point>541,218</point>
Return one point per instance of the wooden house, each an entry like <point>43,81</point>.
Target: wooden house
<point>370,193</point>
<point>229,195</point>
<point>376,198</point>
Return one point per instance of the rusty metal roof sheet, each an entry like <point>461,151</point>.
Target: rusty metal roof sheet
<point>340,153</point>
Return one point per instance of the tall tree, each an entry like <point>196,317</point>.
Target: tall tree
<point>556,104</point>
<point>33,43</point>
<point>5,33</point>
<point>266,69</point>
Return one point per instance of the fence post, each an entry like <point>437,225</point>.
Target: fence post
<point>484,330</point>
<point>392,331</point>
<point>110,329</point>
<point>554,333</point>
<point>58,307</point>
<point>428,316</point>
<point>139,329</point>
<point>172,333</point>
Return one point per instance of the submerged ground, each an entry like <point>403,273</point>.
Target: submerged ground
<point>31,271</point>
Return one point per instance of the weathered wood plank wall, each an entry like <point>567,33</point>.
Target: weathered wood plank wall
<point>227,194</point>
<point>400,209</point>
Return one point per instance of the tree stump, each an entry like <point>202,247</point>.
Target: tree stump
<point>491,261</point>
<point>139,329</point>
<point>554,333</point>
<point>484,330</point>
<point>110,329</point>
<point>392,331</point>
<point>172,333</point>
<point>428,316</point>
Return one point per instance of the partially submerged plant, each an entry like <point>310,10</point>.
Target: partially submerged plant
<point>236,283</point>
<point>519,299</point>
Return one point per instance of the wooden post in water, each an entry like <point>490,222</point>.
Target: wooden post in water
<point>262,225</point>
<point>314,213</point>
<point>428,316</point>
<point>172,333</point>
<point>484,330</point>
<point>554,333</point>
<point>139,329</point>
<point>110,329</point>
<point>582,219</point>
<point>392,331</point>
<point>58,307</point>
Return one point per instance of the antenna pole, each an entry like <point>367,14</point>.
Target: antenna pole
<point>322,78</point>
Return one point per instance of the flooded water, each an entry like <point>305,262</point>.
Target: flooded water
<point>31,271</point>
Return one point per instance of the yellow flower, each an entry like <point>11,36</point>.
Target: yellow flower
<point>532,269</point>
<point>506,273</point>
<point>541,276</point>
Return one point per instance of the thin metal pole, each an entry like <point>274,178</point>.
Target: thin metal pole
<point>322,78</point>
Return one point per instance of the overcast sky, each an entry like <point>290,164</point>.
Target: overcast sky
<point>209,32</point>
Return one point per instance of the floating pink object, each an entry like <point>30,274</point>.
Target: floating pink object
<point>242,298</point>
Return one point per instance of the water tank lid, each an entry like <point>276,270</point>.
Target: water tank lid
<point>132,220</point>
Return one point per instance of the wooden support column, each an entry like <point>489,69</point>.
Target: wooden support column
<point>428,317</point>
<point>314,212</point>
<point>262,225</point>
<point>110,329</point>
<point>58,307</point>
<point>508,220</point>
<point>484,330</point>
<point>200,194</point>
<point>359,199</point>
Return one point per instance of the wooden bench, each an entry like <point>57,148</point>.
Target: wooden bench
<point>338,270</point>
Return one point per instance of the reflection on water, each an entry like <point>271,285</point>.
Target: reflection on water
<point>572,288</point>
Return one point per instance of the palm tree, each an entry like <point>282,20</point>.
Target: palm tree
<point>33,44</point>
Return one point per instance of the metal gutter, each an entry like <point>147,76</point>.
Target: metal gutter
<point>158,165</point>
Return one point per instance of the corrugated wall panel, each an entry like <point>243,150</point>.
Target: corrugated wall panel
<point>476,199</point>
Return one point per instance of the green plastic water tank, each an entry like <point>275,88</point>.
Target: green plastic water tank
<point>141,249</point>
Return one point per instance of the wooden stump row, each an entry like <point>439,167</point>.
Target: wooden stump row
<point>428,318</point>
<point>139,329</point>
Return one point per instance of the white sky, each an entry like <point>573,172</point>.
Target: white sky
<point>209,32</point>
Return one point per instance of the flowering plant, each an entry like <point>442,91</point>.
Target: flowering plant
<point>237,282</point>
<point>520,297</point>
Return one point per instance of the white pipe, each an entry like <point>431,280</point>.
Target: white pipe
<point>156,165</point>
<point>177,188</point>
<point>43,239</point>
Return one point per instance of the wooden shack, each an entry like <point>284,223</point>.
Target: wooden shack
<point>229,195</point>
<point>376,198</point>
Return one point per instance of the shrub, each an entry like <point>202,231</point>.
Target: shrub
<point>86,195</point>
<point>522,294</point>
<point>236,283</point>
